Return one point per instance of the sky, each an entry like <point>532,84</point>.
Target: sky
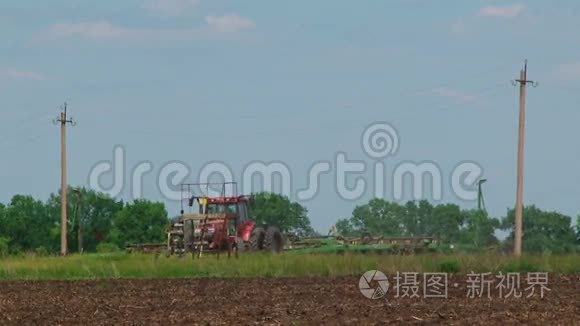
<point>296,82</point>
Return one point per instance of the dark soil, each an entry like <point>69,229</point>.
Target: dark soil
<point>295,301</point>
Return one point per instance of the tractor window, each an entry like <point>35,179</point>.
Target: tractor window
<point>220,208</point>
<point>211,209</point>
<point>243,211</point>
<point>232,208</point>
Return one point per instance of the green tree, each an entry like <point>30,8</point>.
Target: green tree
<point>543,231</point>
<point>345,228</point>
<point>419,218</point>
<point>95,210</point>
<point>4,241</point>
<point>578,229</point>
<point>4,247</point>
<point>26,222</point>
<point>416,217</point>
<point>270,208</point>
<point>445,222</point>
<point>142,221</point>
<point>379,216</point>
<point>2,219</point>
<point>479,229</point>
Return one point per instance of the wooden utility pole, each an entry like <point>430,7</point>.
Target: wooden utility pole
<point>523,81</point>
<point>63,183</point>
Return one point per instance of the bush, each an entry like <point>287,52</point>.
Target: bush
<point>106,247</point>
<point>41,251</point>
<point>4,248</point>
<point>450,267</point>
<point>520,266</point>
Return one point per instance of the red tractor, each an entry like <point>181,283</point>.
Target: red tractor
<point>220,223</point>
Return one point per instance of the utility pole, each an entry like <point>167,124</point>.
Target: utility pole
<point>63,120</point>
<point>480,200</point>
<point>523,81</point>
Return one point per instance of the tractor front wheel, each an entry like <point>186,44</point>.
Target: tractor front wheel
<point>257,237</point>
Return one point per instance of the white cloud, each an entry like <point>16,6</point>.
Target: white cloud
<point>12,73</point>
<point>99,29</point>
<point>228,23</point>
<point>510,11</point>
<point>455,95</point>
<point>568,71</point>
<point>103,30</point>
<point>171,7</point>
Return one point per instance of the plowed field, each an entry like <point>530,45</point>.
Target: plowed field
<point>309,301</point>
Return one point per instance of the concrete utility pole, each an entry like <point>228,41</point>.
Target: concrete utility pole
<point>523,81</point>
<point>63,183</point>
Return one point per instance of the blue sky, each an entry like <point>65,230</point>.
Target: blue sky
<point>294,81</point>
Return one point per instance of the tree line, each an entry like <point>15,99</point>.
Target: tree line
<point>28,224</point>
<point>31,225</point>
<point>544,231</point>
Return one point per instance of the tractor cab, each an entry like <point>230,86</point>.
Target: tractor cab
<point>235,206</point>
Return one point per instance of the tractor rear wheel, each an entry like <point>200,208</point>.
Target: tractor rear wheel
<point>273,241</point>
<point>257,237</point>
<point>241,245</point>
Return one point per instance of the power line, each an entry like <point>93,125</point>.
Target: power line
<point>466,79</point>
<point>19,124</point>
<point>6,146</point>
